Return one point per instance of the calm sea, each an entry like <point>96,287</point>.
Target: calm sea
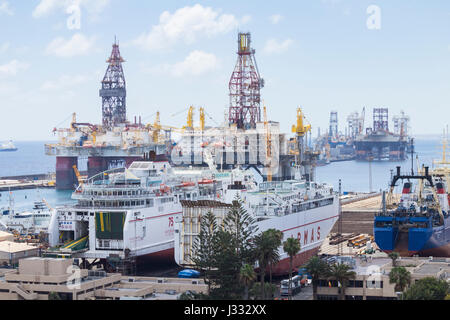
<point>31,159</point>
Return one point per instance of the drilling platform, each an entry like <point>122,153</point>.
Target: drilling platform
<point>381,144</point>
<point>114,143</point>
<point>244,139</point>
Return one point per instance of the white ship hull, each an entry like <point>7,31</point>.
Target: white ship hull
<point>311,226</point>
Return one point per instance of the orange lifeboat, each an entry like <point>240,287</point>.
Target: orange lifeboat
<point>187,184</point>
<point>206,181</point>
<point>164,189</point>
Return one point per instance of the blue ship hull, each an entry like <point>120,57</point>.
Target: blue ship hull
<point>422,240</point>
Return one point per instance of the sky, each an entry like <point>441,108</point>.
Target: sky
<point>322,55</point>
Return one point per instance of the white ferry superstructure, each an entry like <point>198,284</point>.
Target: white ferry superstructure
<point>131,212</point>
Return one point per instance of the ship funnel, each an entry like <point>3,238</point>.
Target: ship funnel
<point>426,172</point>
<point>398,171</point>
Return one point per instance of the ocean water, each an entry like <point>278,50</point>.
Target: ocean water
<point>355,175</point>
<point>31,159</point>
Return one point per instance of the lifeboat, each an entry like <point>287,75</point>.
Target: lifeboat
<point>164,189</point>
<point>186,184</point>
<point>206,181</point>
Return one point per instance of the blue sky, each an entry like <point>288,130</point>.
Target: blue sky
<point>318,54</point>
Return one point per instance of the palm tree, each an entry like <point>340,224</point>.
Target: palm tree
<point>291,246</point>
<point>341,272</point>
<point>318,269</point>
<point>401,277</point>
<point>266,250</point>
<point>277,238</point>
<point>247,276</point>
<point>394,256</point>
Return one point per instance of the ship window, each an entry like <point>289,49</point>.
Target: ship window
<point>120,193</point>
<point>149,202</point>
<point>133,203</point>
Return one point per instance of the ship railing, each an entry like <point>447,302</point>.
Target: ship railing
<point>99,208</point>
<point>81,196</point>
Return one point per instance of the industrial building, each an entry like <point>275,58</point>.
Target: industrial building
<point>12,252</point>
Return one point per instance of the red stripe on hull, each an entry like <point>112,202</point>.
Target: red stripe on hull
<point>160,256</point>
<point>282,268</point>
<point>443,251</point>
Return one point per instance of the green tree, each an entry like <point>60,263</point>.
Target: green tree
<point>221,252</point>
<point>318,269</point>
<point>241,226</point>
<point>401,277</point>
<point>203,251</point>
<point>225,278</point>
<point>54,296</point>
<point>248,276</point>
<point>427,289</point>
<point>277,237</point>
<point>269,289</point>
<point>394,257</point>
<point>291,246</point>
<point>266,251</point>
<point>341,272</point>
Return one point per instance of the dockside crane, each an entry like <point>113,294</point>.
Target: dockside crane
<point>301,131</point>
<point>268,146</point>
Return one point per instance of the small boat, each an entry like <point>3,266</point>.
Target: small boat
<point>8,147</point>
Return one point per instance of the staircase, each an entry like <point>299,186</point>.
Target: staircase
<point>24,293</point>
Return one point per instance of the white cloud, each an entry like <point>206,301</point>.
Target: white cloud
<point>46,7</point>
<point>195,64</point>
<point>13,67</point>
<point>77,45</point>
<point>65,81</point>
<point>246,19</point>
<point>186,24</point>
<point>4,47</point>
<point>5,8</point>
<point>274,46</point>
<point>274,19</point>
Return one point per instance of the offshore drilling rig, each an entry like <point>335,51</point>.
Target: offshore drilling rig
<point>244,139</point>
<point>114,143</point>
<point>379,143</point>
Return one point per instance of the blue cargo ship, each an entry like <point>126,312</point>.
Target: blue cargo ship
<point>419,224</point>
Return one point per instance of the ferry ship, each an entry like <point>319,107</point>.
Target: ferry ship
<point>125,214</point>
<point>299,208</point>
<point>8,147</point>
<point>35,221</point>
<point>420,223</point>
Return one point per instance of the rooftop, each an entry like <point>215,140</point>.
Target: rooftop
<point>13,247</point>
